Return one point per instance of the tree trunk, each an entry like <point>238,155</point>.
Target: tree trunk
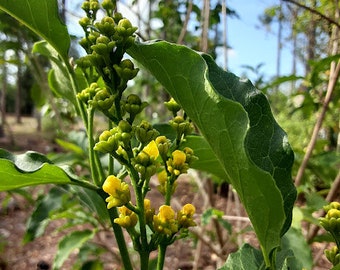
<point>19,91</point>
<point>3,100</point>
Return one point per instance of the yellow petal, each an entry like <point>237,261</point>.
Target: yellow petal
<point>151,149</point>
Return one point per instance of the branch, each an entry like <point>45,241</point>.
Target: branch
<point>331,86</point>
<point>185,24</point>
<point>315,12</point>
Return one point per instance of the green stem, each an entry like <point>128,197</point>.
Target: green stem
<point>144,252</point>
<point>118,232</point>
<point>92,158</point>
<point>161,256</point>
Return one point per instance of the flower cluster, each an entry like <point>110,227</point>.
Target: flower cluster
<point>119,192</point>
<point>166,222</point>
<point>146,161</point>
<point>127,218</point>
<point>331,223</point>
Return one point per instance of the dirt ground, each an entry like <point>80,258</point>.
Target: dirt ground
<point>200,252</point>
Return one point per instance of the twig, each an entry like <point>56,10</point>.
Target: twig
<point>331,86</point>
<point>185,24</point>
<point>314,11</point>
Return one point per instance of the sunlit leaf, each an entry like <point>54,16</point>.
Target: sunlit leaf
<point>236,121</point>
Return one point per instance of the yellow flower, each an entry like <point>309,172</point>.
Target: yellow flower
<point>149,212</point>
<point>185,216</point>
<point>177,164</point>
<point>178,157</point>
<point>152,150</point>
<point>127,218</point>
<point>119,192</point>
<point>163,179</point>
<point>165,221</point>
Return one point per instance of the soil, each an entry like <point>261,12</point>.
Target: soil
<point>206,249</point>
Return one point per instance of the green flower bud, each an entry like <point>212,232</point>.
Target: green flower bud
<point>126,70</point>
<point>88,93</point>
<point>163,144</point>
<point>145,132</point>
<point>94,6</point>
<point>108,141</point>
<point>106,26</point>
<point>100,49</point>
<point>86,6</point>
<point>333,255</point>
<point>84,42</point>
<point>108,5</point>
<point>96,59</point>
<point>125,28</point>
<point>126,131</point>
<point>181,126</point>
<point>84,22</point>
<point>92,37</point>
<point>83,62</point>
<point>134,105</point>
<point>117,17</point>
<point>190,157</point>
<point>103,100</point>
<point>172,106</point>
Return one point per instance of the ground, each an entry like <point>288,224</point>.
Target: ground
<point>197,252</point>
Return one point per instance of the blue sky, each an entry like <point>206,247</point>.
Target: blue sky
<point>250,43</point>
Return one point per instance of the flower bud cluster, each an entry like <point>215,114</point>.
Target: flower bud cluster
<point>115,138</point>
<point>172,106</point>
<point>127,218</point>
<point>97,97</point>
<point>331,223</point>
<point>168,223</point>
<point>133,105</point>
<point>181,126</point>
<point>146,162</point>
<point>145,132</point>
<point>333,255</point>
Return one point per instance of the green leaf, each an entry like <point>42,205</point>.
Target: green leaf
<point>207,160</point>
<point>236,120</point>
<point>39,219</point>
<point>42,18</point>
<point>246,258</point>
<point>32,168</point>
<point>58,76</point>
<point>295,241</point>
<point>69,243</point>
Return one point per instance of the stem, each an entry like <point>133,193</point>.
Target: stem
<point>118,232</point>
<point>94,168</point>
<point>161,256</point>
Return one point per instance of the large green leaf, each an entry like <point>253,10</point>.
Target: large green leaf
<point>41,17</point>
<point>236,120</point>
<point>32,168</point>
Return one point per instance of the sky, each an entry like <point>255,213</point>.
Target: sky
<point>251,44</point>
